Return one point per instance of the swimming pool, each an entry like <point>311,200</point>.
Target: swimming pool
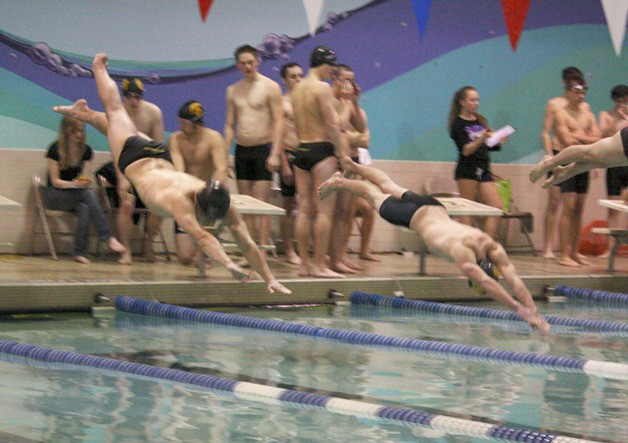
<point>58,403</point>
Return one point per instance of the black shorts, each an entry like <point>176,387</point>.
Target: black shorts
<point>469,172</point>
<point>250,163</point>
<point>137,147</point>
<point>288,190</point>
<point>624,140</point>
<point>399,211</point>
<point>616,180</point>
<point>578,184</point>
<point>308,155</point>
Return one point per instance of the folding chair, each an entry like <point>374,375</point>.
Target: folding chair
<point>42,217</point>
<point>111,209</point>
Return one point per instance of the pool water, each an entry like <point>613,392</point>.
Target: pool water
<point>62,403</point>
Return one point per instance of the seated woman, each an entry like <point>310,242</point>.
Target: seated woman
<point>69,163</point>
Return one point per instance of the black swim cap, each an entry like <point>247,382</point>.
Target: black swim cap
<point>130,85</point>
<point>322,55</point>
<point>214,200</point>
<point>192,111</point>
<point>490,269</point>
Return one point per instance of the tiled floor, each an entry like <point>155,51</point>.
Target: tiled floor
<point>40,283</point>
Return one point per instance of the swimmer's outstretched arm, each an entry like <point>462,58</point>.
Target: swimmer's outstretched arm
<point>252,253</point>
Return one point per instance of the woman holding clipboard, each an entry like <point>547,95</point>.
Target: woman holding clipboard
<point>472,135</point>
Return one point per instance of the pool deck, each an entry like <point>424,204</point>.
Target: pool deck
<point>40,284</point>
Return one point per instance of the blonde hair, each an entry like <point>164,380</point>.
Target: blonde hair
<point>455,108</point>
<point>66,124</point>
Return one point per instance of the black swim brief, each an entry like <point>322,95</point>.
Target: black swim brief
<point>250,162</point>
<point>136,148</point>
<point>624,140</point>
<point>399,211</point>
<point>308,155</point>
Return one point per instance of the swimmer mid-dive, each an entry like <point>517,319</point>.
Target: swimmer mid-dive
<point>462,244</point>
<point>605,153</point>
<point>165,191</point>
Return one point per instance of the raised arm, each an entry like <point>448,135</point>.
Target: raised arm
<point>331,120</point>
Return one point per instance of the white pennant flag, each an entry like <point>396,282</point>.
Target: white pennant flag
<point>313,9</point>
<point>616,12</point>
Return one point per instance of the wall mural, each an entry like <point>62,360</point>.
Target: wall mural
<point>409,57</point>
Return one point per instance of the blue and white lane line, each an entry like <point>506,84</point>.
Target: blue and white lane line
<point>27,354</point>
<point>610,370</point>
<point>445,308</point>
<point>591,294</point>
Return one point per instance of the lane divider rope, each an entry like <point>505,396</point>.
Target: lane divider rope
<point>566,364</point>
<point>25,354</point>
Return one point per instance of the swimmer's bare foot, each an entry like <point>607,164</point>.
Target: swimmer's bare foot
<point>81,259</point>
<point>568,261</point>
<point>351,264</point>
<point>304,271</point>
<point>125,258</point>
<point>342,268</point>
<point>275,286</point>
<point>79,110</point>
<point>293,258</point>
<point>236,272</point>
<point>115,245</point>
<point>368,256</point>
<point>549,254</point>
<point>324,273</point>
<point>582,259</point>
<point>329,186</point>
<point>347,165</point>
<point>100,61</point>
<point>539,169</point>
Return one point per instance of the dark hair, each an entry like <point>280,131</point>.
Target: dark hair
<point>571,72</point>
<point>619,91</point>
<point>284,68</point>
<point>455,107</point>
<point>244,48</point>
<point>343,67</point>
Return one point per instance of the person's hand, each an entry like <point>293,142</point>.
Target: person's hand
<point>82,182</point>
<point>273,163</point>
<point>287,176</point>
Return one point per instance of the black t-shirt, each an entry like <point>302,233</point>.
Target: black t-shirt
<point>71,172</point>
<point>466,131</point>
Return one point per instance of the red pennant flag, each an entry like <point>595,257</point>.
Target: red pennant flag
<point>204,6</point>
<point>515,12</point>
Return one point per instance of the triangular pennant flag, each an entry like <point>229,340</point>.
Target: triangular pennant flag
<point>515,12</point>
<point>422,13</point>
<point>616,12</point>
<point>204,6</point>
<point>313,9</point>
